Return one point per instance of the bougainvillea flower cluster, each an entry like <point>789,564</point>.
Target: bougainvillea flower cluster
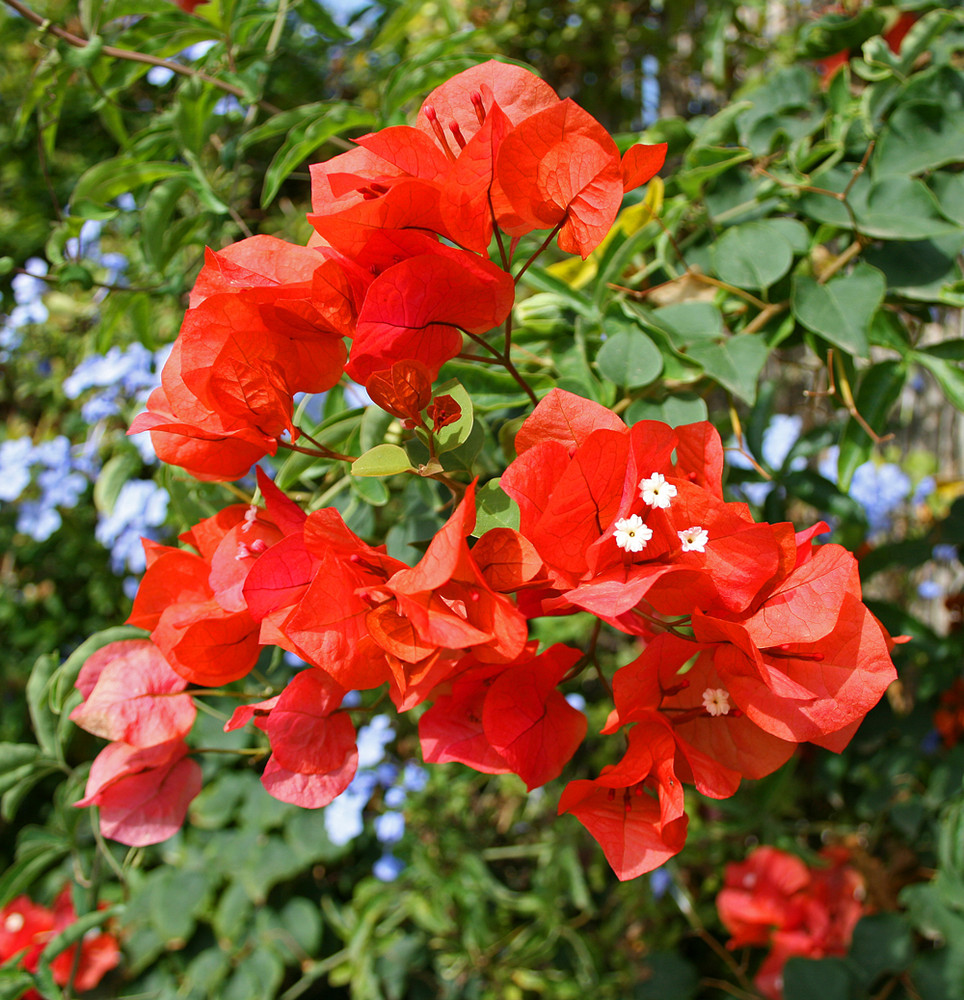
<point>27,927</point>
<point>748,638</point>
<point>775,900</point>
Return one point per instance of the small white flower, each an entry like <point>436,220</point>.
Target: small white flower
<point>631,534</point>
<point>656,491</point>
<point>716,701</point>
<point>13,923</point>
<point>694,539</point>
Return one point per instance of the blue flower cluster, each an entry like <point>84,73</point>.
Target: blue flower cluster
<point>58,472</point>
<point>28,291</point>
<point>344,817</point>
<point>121,375</point>
<point>879,488</point>
<point>946,563</point>
<point>52,476</point>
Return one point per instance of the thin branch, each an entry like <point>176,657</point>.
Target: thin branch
<point>52,279</point>
<point>738,434</point>
<point>544,244</point>
<point>840,261</point>
<point>506,362</point>
<point>142,57</point>
<point>762,318</point>
<point>707,280</point>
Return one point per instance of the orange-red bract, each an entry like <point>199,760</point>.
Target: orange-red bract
<point>636,831</point>
<point>561,167</point>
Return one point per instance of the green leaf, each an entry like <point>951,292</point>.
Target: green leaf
<point>494,509</point>
<point>370,489</point>
<point>115,473</point>
<point>382,460</point>
<point>895,207</point>
<point>305,138</point>
<point>949,190</point>
<point>921,136</point>
<point>735,363</point>
<point>42,716</point>
<point>540,279</point>
<point>793,231</point>
<point>754,255</point>
<point>674,410</point>
<point>840,311</point>
<point>881,944</point>
<point>666,975</point>
<point>899,208</point>
<point>690,323</point>
<point>462,457</point>
<point>455,434</point>
<point>175,899</point>
<point>919,269</point>
<point>705,164</point>
<point>29,867</point>
<point>374,424</point>
<point>628,357</point>
<point>949,375</point>
<point>880,388</point>
<point>105,181</point>
<point>827,978</point>
<point>16,760</point>
<point>835,33</point>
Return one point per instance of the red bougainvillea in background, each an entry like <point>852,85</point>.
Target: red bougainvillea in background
<point>26,928</point>
<point>774,900</point>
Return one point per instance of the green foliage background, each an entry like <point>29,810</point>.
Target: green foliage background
<point>804,238</point>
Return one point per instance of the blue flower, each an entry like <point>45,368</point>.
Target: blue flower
<point>389,827</point>
<point>87,242</point>
<point>941,552</point>
<point>929,590</point>
<point>227,105</point>
<point>140,508</point>
<point>879,489</point>
<point>395,797</point>
<point>15,456</point>
<point>372,740</point>
<point>158,76</point>
<point>38,520</point>
<point>827,466</point>
<point>343,816</point>
<point>28,288</point>
<point>923,490</point>
<point>386,774</point>
<point>659,882</point>
<point>387,868</point>
<point>414,777</point>
<point>781,434</point>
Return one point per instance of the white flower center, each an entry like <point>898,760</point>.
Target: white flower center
<point>631,534</point>
<point>656,491</point>
<point>716,701</point>
<point>694,539</point>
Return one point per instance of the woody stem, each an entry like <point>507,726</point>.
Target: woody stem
<point>506,362</point>
<point>545,243</point>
